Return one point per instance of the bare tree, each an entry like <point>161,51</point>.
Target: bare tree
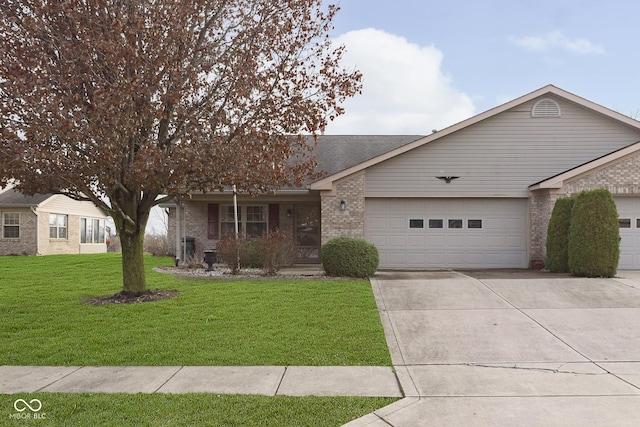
<point>128,100</point>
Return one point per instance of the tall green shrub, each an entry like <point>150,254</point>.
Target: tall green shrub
<point>594,237</point>
<point>348,257</point>
<point>558,236</point>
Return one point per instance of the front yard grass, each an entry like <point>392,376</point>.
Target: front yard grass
<point>157,410</point>
<point>211,322</point>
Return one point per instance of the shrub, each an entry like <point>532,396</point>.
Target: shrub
<point>558,236</point>
<point>275,250</point>
<point>157,245</point>
<point>229,248</point>
<point>345,256</point>
<point>228,252</point>
<point>594,237</point>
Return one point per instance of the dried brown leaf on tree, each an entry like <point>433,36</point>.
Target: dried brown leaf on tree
<point>123,101</point>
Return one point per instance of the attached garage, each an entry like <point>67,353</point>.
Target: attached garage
<point>448,233</point>
<point>629,219</point>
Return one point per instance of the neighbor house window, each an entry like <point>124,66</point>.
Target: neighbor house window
<point>92,230</point>
<point>624,222</point>
<point>11,225</point>
<point>252,220</point>
<point>57,226</point>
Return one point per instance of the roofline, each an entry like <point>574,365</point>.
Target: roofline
<point>19,205</point>
<point>327,182</point>
<point>557,181</point>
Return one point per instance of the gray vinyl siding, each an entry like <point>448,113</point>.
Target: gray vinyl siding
<point>501,156</point>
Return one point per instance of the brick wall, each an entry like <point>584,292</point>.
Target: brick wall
<point>195,218</point>
<point>620,178</point>
<point>541,205</point>
<point>26,244</point>
<point>350,222</point>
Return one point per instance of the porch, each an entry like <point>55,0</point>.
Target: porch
<point>205,219</point>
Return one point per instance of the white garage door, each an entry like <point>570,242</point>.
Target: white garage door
<point>629,218</point>
<point>448,233</point>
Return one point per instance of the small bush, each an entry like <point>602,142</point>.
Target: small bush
<point>348,257</point>
<point>228,252</point>
<point>558,236</point>
<point>594,236</point>
<point>275,250</point>
<point>157,245</point>
<point>229,248</point>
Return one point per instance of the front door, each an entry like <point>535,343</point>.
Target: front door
<point>307,233</point>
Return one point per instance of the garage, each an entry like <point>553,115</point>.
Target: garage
<point>448,233</point>
<point>629,220</point>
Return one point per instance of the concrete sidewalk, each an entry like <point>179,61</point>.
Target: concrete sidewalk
<point>492,349</point>
<point>266,380</point>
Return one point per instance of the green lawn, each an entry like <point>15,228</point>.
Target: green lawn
<point>156,410</point>
<point>45,321</point>
<point>211,322</point>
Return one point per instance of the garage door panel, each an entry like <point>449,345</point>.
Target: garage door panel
<point>476,241</point>
<point>377,223</point>
<point>395,258</point>
<point>396,241</point>
<point>378,240</point>
<point>493,224</point>
<point>455,240</point>
<point>416,241</point>
<point>415,259</point>
<point>397,223</point>
<point>514,224</point>
<point>629,208</point>
<point>493,242</point>
<point>512,242</point>
<point>499,241</point>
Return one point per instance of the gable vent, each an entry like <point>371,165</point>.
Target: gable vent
<point>546,108</point>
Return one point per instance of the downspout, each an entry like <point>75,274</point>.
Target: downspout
<point>178,231</point>
<point>235,219</point>
<point>184,235</point>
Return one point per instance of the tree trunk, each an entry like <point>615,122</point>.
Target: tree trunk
<point>134,282</point>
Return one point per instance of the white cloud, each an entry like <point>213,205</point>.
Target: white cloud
<point>557,40</point>
<point>404,88</point>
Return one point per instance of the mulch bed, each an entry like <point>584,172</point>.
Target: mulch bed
<point>124,298</point>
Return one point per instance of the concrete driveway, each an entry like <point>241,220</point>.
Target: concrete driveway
<point>511,347</point>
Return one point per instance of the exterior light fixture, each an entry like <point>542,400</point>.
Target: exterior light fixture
<point>343,205</point>
<point>289,213</point>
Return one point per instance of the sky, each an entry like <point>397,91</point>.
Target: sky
<point>429,64</point>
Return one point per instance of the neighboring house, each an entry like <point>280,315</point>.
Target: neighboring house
<point>478,194</point>
<point>46,224</point>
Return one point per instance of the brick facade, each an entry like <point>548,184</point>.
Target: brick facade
<point>621,178</point>
<point>347,223</point>
<point>26,244</point>
<point>194,216</point>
